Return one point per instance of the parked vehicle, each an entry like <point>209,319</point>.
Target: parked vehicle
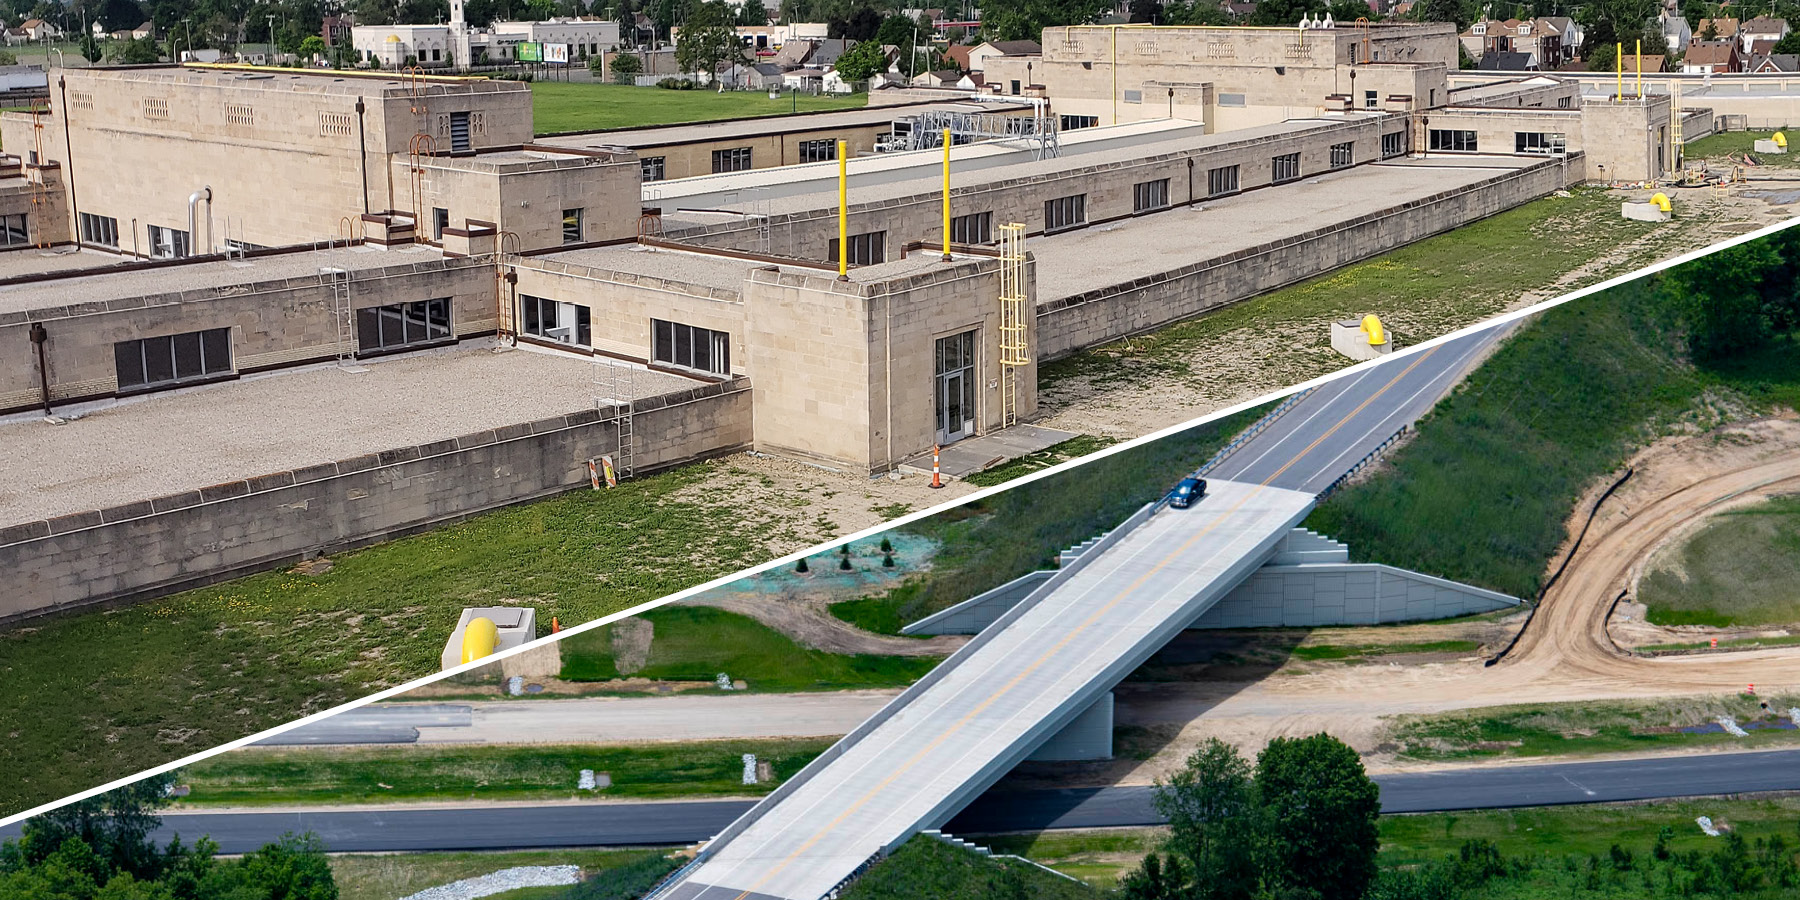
<point>1187,492</point>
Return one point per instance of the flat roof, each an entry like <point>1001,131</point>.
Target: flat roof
<point>263,424</point>
<point>108,283</point>
<point>696,132</point>
<point>1183,236</point>
<point>682,266</point>
<point>15,263</point>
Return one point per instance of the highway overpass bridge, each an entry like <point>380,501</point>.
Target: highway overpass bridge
<point>1050,658</point>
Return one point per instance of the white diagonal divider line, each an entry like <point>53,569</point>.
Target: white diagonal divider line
<point>921,514</point>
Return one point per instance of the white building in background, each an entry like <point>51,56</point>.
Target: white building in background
<point>390,45</point>
<point>455,44</point>
<point>585,36</point>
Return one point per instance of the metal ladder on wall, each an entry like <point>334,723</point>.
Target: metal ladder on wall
<point>1015,349</point>
<point>342,314</point>
<point>614,391</point>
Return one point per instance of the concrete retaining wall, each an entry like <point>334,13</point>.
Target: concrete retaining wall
<point>160,546</point>
<point>1307,596</point>
<point>1106,314</point>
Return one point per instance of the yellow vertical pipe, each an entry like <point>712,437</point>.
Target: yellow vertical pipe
<point>843,211</point>
<point>1640,68</point>
<point>1619,54</point>
<point>946,195</point>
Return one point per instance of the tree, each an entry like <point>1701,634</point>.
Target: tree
<point>709,38</point>
<point>1457,11</point>
<point>136,52</point>
<point>1321,809</point>
<point>626,67</point>
<point>753,12</point>
<point>1725,305</point>
<point>311,47</point>
<point>115,826</point>
<point>1789,44</point>
<point>859,24</point>
<point>91,49</point>
<point>8,59</point>
<point>1213,818</point>
<point>1025,20</point>
<point>863,62</point>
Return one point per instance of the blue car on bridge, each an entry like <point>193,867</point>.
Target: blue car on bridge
<point>1189,490</point>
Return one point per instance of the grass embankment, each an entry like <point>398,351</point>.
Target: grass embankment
<point>1358,652</point>
<point>927,867</point>
<point>1575,729</point>
<point>1742,568</point>
<point>315,776</point>
<point>989,542</point>
<point>586,106</point>
<point>162,679</point>
<point>1423,290</point>
<point>1738,143</point>
<point>1482,493</point>
<point>1080,445</point>
<point>388,876</point>
<point>697,644</point>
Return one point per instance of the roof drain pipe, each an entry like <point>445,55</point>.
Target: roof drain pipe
<point>39,336</point>
<point>194,199</point>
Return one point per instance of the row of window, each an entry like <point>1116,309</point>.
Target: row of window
<point>1463,141</point>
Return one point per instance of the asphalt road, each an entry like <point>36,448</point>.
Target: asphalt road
<point>1339,423</point>
<point>626,824</point>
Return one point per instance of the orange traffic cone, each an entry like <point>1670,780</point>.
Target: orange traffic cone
<point>937,476</point>
<point>555,626</point>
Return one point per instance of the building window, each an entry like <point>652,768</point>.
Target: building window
<point>13,232</point>
<point>1285,167</point>
<point>1150,195</point>
<point>1371,99</point>
<point>1134,96</point>
<point>1343,155</point>
<point>1538,142</point>
<point>1393,144</point>
<point>1562,103</point>
<point>1070,123</point>
<point>402,324</point>
<point>168,243</point>
<point>102,230</point>
<point>818,151</point>
<point>1222,181</point>
<point>652,167</point>
<point>1231,100</point>
<point>1015,87</point>
<point>687,347</point>
<point>565,323</point>
<point>571,222</point>
<point>974,228</point>
<point>1458,141</point>
<point>459,131</point>
<point>173,359</point>
<point>440,220</point>
<point>737,159</point>
<point>865,249</point>
<point>1065,212</point>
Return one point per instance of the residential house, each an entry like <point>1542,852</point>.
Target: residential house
<point>763,76</point>
<point>1569,36</point>
<point>1649,62</point>
<point>40,30</point>
<point>1535,37</point>
<point>146,30</point>
<point>1762,28</point>
<point>1717,30</point>
<point>1677,33</point>
<point>17,36</point>
<point>959,54</point>
<point>1718,57</point>
<point>1508,61</point>
<point>943,78</point>
<point>981,53</point>
<point>1775,64</point>
<point>807,81</point>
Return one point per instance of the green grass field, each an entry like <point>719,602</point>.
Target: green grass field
<point>694,643</point>
<point>1574,729</point>
<point>1742,568</point>
<point>1483,491</point>
<point>170,677</point>
<point>558,106</point>
<point>1738,143</point>
<point>391,876</point>
<point>1562,830</point>
<point>318,776</point>
<point>929,868</point>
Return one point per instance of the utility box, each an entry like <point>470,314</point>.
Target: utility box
<point>1644,212</point>
<point>1770,145</point>
<point>1351,337</point>
<point>512,626</point>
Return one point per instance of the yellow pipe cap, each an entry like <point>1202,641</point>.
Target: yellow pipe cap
<point>480,639</point>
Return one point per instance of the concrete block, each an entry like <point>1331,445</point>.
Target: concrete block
<point>1644,212</point>
<point>1767,145</point>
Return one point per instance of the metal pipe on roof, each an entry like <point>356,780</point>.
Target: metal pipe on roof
<point>205,193</point>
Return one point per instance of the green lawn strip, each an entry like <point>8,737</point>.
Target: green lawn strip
<point>1715,146</point>
<point>1080,445</point>
<point>1482,493</point>
<point>390,876</point>
<point>926,867</point>
<point>694,643</point>
<point>1734,643</point>
<point>1096,857</point>
<point>558,106</point>
<point>879,615</point>
<point>989,542</point>
<point>1423,290</point>
<point>317,776</point>
<point>166,678</point>
<point>1572,729</point>
<point>1357,651</point>
<point>1559,831</point>
<point>1741,568</point>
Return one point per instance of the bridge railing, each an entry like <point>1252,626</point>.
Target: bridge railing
<point>1247,435</point>
<point>919,687</point>
<point>1363,463</point>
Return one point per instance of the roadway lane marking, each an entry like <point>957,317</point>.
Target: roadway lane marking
<point>1353,413</point>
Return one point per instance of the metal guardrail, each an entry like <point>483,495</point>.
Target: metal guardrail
<point>1248,434</point>
<point>1368,458</point>
<point>671,879</point>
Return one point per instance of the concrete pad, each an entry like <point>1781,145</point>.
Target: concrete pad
<point>971,455</point>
